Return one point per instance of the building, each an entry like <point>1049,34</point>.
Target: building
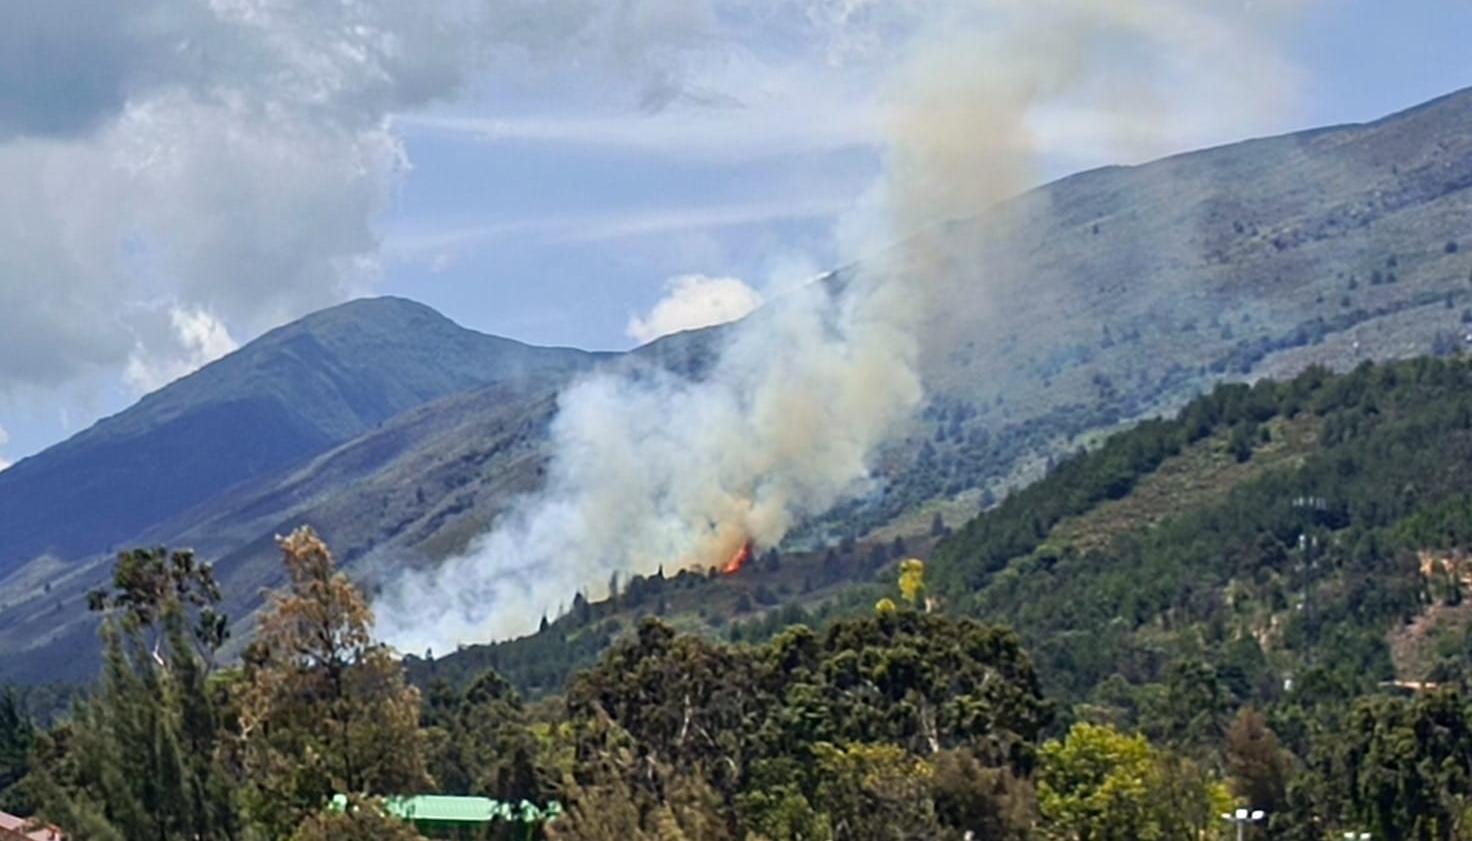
<point>14,828</point>
<point>444,816</point>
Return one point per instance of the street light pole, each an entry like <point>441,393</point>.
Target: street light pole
<point>1243,817</point>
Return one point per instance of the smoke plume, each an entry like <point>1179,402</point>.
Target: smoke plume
<point>651,468</point>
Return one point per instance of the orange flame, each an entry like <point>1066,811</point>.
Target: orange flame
<point>738,560</point>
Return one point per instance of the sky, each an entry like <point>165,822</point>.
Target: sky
<point>182,175</point>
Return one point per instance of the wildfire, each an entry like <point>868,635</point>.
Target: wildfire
<point>738,560</point>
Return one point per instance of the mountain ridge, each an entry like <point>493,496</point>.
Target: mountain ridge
<point>294,392</point>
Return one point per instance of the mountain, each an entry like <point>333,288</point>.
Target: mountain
<point>294,393</point>
<point>1119,293</point>
<point>1074,310</point>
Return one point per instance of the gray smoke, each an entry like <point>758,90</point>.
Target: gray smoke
<point>661,470</point>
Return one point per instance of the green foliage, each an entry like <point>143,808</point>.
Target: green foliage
<point>480,742</point>
<point>141,757</point>
<point>1408,764</point>
<point>17,740</point>
<point>167,748</point>
<point>875,792</point>
<point>1321,545</point>
<point>1101,785</point>
<point>148,582</point>
<point>363,820</point>
<point>809,735</point>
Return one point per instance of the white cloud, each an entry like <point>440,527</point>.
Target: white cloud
<point>714,134</point>
<point>442,246</point>
<point>234,157</point>
<point>232,163</point>
<point>203,337</point>
<point>4,439</point>
<point>693,301</point>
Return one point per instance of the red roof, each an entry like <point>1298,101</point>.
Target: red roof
<point>14,828</point>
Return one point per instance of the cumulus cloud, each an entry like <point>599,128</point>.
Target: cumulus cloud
<point>171,158</point>
<point>693,301</point>
<point>232,157</point>
<point>203,338</point>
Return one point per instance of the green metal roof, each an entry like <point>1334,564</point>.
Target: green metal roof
<point>442,808</point>
<point>439,807</point>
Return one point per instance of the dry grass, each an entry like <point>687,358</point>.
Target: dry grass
<point>1202,473</point>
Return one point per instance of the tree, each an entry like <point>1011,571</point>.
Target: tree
<point>147,583</point>
<point>1191,711</point>
<point>141,758</point>
<point>994,803</point>
<point>875,792</point>
<point>912,580</point>
<point>1408,765</point>
<point>362,820</point>
<point>482,743</point>
<point>1101,785</point>
<point>324,709</point>
<point>1256,762</point>
<point>17,738</point>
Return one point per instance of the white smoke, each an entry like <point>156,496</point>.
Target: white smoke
<point>654,469</point>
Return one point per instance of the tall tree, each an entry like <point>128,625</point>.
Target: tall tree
<point>141,757</point>
<point>1257,763</point>
<point>324,709</point>
<point>17,738</point>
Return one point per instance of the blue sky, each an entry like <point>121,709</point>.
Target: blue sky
<point>548,193</point>
<point>1360,60</point>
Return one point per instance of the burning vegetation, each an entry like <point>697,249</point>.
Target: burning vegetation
<point>739,559</point>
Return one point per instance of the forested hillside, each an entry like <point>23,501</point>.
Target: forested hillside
<point>1301,538</point>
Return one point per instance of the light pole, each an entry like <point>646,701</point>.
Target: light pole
<point>1242,818</point>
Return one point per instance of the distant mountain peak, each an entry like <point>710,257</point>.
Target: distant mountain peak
<point>284,397</point>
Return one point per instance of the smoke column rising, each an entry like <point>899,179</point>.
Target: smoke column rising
<point>652,469</point>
